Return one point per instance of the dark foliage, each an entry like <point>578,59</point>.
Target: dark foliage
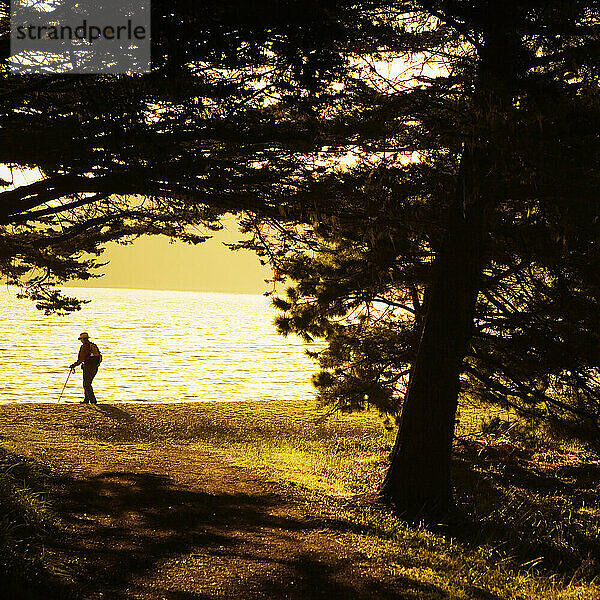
<point>360,266</point>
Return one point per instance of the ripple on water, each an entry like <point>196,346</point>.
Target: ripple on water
<point>157,345</point>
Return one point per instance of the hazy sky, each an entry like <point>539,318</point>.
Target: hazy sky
<point>153,263</point>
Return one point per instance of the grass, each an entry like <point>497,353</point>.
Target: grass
<point>527,493</point>
<point>532,499</point>
<point>26,519</point>
<point>341,456</point>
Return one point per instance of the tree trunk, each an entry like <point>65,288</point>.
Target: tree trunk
<point>418,480</point>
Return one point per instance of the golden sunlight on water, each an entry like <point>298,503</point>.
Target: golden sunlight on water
<point>157,346</point>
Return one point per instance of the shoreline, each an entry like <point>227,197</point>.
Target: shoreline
<point>140,402</point>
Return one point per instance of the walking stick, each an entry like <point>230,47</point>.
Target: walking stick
<point>64,386</point>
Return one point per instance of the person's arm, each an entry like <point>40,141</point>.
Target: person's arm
<point>83,354</point>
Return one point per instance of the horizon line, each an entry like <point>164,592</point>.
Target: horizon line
<point>191,291</point>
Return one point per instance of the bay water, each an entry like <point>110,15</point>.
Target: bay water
<point>157,346</point>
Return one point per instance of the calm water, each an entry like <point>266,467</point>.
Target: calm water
<point>157,346</point>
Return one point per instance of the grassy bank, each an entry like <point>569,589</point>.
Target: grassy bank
<point>27,518</point>
<point>533,501</point>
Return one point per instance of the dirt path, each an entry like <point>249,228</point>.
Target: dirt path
<point>159,519</point>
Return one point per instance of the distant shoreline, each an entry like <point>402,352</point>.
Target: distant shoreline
<point>133,289</point>
<point>222,293</point>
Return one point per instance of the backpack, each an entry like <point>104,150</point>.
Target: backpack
<point>95,353</point>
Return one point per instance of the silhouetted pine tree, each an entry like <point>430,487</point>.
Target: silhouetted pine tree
<point>486,238</point>
<point>484,151</point>
<point>224,122</point>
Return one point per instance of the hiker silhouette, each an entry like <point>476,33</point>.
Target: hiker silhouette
<point>89,358</point>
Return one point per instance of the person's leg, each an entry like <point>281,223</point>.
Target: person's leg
<point>89,372</point>
<point>85,384</point>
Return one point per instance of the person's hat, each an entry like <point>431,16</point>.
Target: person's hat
<point>83,336</point>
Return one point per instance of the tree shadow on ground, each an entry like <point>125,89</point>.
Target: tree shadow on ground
<point>123,534</point>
